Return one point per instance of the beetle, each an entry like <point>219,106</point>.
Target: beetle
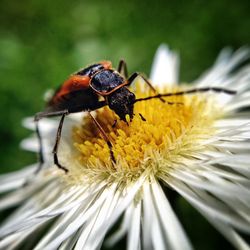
<point>83,90</point>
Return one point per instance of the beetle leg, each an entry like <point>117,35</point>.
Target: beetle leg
<point>122,68</point>
<point>105,136</point>
<point>38,117</point>
<point>142,117</point>
<point>134,75</point>
<point>114,124</point>
<point>40,153</point>
<point>55,149</point>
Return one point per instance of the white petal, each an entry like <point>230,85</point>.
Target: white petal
<point>16,179</point>
<point>18,196</point>
<point>222,75</point>
<point>165,68</point>
<point>133,240</point>
<point>104,214</point>
<point>118,234</point>
<point>80,216</point>
<point>211,208</point>
<point>153,235</point>
<point>238,163</point>
<point>13,241</point>
<point>57,228</point>
<point>126,199</point>
<point>175,235</point>
<point>30,144</point>
<point>148,217</point>
<point>231,235</point>
<point>71,241</point>
<point>45,124</point>
<point>227,61</point>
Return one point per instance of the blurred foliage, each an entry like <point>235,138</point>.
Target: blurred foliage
<point>42,42</point>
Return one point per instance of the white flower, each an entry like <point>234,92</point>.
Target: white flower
<point>198,147</point>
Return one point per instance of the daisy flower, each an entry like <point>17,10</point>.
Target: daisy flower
<point>198,146</point>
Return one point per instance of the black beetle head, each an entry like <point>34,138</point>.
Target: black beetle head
<point>122,102</point>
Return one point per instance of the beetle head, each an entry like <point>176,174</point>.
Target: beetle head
<point>122,102</point>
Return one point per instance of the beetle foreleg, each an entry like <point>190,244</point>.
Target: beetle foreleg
<point>134,75</point>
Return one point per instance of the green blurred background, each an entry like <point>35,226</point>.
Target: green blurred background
<point>42,42</point>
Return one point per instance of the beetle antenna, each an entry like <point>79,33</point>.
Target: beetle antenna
<point>191,91</point>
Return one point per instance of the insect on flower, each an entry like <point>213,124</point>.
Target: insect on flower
<point>94,87</point>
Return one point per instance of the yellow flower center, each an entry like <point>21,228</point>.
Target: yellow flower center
<point>169,132</point>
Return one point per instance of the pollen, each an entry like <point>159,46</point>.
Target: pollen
<point>160,132</point>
